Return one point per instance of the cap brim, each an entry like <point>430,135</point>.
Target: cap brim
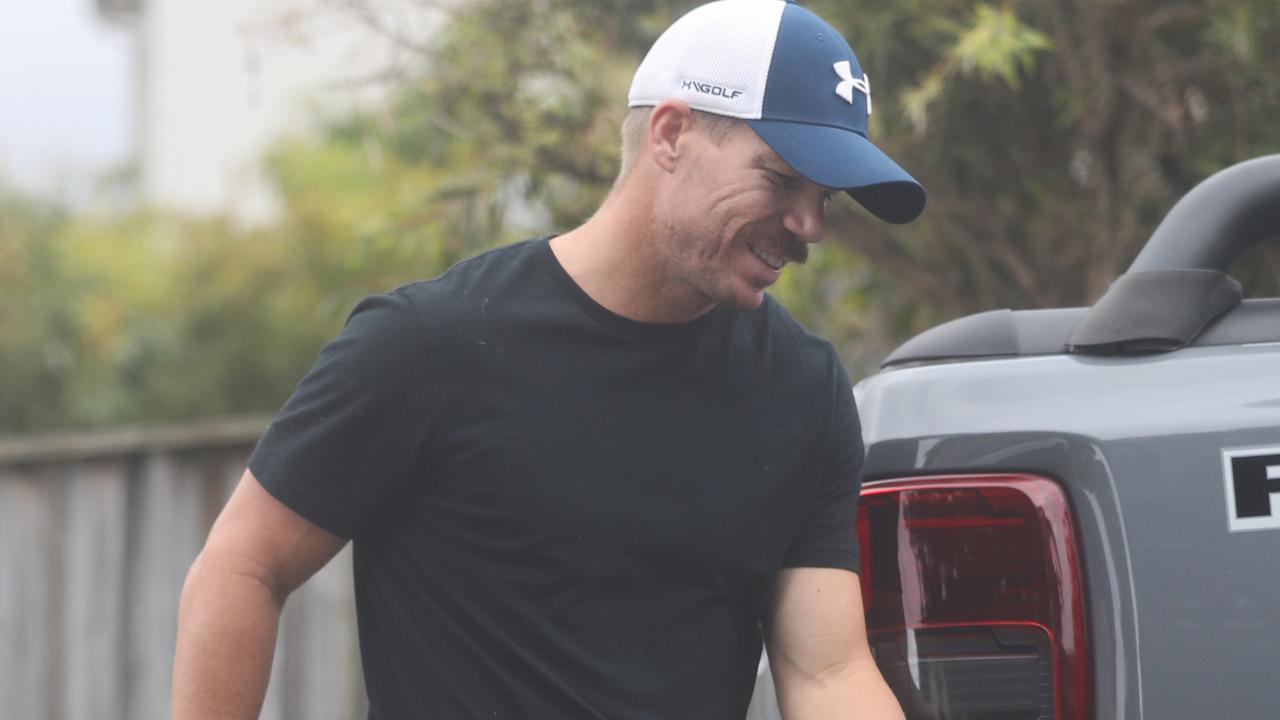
<point>839,158</point>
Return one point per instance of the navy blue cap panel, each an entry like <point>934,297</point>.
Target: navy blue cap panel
<point>894,202</point>
<point>846,160</point>
<point>803,80</point>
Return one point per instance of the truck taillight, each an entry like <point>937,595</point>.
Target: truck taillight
<point>974,599</point>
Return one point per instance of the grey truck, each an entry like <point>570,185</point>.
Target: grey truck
<point>1075,513</point>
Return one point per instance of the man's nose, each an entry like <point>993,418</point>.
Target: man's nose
<point>807,217</point>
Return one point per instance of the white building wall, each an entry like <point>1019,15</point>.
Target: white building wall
<point>222,81</point>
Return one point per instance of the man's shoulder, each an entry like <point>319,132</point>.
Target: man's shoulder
<point>474,283</point>
<point>506,262</point>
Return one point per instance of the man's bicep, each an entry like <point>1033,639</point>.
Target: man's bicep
<point>816,625</point>
<point>353,437</point>
<point>257,534</point>
<point>827,538</point>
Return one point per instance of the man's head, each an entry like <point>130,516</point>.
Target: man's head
<point>742,124</point>
<point>724,212</point>
<point>635,130</point>
<point>794,80</point>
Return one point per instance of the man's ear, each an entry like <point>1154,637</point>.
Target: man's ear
<point>669,123</point>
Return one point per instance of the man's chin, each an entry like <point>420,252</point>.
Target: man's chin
<point>743,299</point>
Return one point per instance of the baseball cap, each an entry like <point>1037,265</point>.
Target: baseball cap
<point>794,80</point>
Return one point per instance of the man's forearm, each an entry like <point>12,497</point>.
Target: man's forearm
<point>227,621</point>
<point>855,692</point>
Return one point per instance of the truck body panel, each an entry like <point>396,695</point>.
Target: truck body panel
<point>1184,614</point>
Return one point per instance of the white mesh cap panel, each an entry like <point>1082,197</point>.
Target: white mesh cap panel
<point>716,58</point>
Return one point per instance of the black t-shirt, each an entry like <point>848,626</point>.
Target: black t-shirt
<point>559,512</point>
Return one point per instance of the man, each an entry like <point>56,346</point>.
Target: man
<point>582,474</point>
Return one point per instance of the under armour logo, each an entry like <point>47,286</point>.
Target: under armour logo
<point>848,83</point>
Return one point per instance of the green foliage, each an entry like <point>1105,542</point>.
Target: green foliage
<point>993,44</point>
<point>38,314</point>
<point>1051,141</point>
<point>144,318</point>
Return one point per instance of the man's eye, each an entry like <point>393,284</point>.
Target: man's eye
<point>783,180</point>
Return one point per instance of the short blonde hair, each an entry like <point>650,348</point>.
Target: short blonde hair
<point>635,127</point>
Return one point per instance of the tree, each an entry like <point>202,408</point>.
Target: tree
<point>521,138</point>
<point>38,314</point>
<point>143,318</point>
<point>1052,137</point>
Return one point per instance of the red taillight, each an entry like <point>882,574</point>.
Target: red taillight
<point>974,598</point>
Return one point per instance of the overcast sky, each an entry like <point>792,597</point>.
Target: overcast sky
<point>66,92</point>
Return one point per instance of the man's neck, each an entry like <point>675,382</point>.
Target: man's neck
<point>614,258</point>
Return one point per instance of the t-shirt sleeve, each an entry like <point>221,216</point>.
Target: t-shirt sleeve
<point>344,445</point>
<point>828,537</point>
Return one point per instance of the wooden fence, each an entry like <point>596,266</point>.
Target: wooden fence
<point>96,534</point>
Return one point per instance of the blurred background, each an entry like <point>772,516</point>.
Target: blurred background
<point>193,195</point>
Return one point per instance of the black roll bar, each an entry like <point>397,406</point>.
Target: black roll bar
<point>1218,220</point>
<point>1178,285</point>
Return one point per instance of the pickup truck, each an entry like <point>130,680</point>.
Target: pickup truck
<point>1075,513</point>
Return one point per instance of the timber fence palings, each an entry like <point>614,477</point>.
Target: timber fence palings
<point>97,531</point>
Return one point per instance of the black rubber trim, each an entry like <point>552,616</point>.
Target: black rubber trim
<point>1155,311</point>
<point>991,334</point>
<point>1175,289</point>
<point>1045,332</point>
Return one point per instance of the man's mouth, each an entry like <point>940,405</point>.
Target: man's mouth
<point>771,260</point>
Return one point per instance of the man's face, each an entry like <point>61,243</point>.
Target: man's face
<point>735,214</point>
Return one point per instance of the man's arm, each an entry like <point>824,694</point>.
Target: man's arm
<point>257,553</point>
<point>817,639</point>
